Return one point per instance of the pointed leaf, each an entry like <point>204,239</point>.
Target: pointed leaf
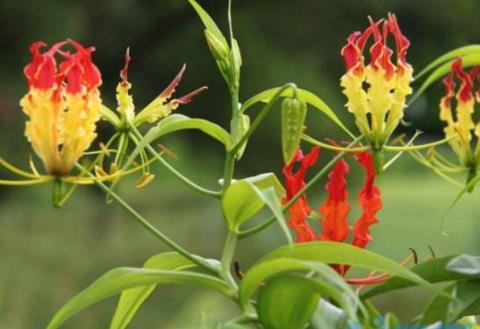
<point>331,283</point>
<point>123,278</point>
<point>466,302</point>
<point>208,22</point>
<point>341,253</point>
<point>131,300</point>
<point>309,97</point>
<point>458,52</point>
<point>176,122</point>
<point>433,271</point>
<point>468,60</point>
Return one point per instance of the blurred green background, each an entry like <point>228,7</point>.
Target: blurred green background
<point>48,255</point>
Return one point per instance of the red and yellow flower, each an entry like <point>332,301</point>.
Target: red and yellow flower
<point>460,126</point>
<point>377,91</point>
<point>63,104</point>
<point>159,108</point>
<point>335,210</point>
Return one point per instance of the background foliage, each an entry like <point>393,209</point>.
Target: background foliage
<point>47,255</point>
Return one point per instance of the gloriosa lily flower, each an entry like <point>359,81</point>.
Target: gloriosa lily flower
<point>160,107</point>
<point>63,104</point>
<point>377,91</point>
<point>334,211</point>
<point>461,126</point>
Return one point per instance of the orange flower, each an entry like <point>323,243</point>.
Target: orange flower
<point>63,104</point>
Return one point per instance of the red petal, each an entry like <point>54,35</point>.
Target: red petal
<point>168,92</point>
<point>189,97</point>
<point>124,71</point>
<point>336,208</point>
<point>41,72</point>
<point>401,42</point>
<point>79,70</point>
<point>380,53</point>
<point>465,90</point>
<point>449,90</point>
<point>297,222</point>
<point>370,200</point>
<point>294,183</point>
<point>350,52</point>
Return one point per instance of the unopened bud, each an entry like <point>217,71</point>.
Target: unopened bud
<point>144,180</point>
<point>219,50</point>
<point>294,112</point>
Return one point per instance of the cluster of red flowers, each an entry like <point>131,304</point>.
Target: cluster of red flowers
<point>334,211</point>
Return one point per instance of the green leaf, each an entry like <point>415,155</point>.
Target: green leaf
<point>467,61</point>
<point>123,278</point>
<point>270,198</point>
<point>309,97</point>
<point>287,302</point>
<point>263,181</point>
<point>341,253</point>
<point>465,264</point>
<point>131,300</point>
<point>243,199</point>
<point>329,281</point>
<point>266,180</point>
<point>437,309</point>
<point>466,302</point>
<point>240,203</point>
<point>176,122</point>
<point>458,52</point>
<point>208,22</point>
<point>433,271</point>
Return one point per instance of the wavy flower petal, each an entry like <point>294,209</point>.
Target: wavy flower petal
<point>369,199</point>
<point>335,209</point>
<point>460,125</point>
<point>63,104</point>
<point>295,182</point>
<point>377,92</point>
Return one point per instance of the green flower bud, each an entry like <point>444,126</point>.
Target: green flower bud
<point>294,112</point>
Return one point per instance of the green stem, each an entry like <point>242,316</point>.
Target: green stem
<point>313,141</point>
<point>227,257</point>
<point>229,169</point>
<point>297,196</point>
<point>149,227</point>
<point>472,174</point>
<point>176,173</point>
<point>261,116</point>
<point>415,147</point>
